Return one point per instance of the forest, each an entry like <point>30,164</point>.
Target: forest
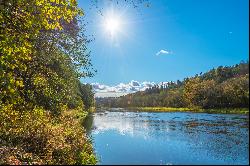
<point>222,87</point>
<point>43,55</point>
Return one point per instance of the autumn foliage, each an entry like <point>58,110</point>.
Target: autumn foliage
<point>222,87</point>
<point>42,56</point>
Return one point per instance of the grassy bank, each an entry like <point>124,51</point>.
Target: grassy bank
<point>170,109</point>
<point>38,137</point>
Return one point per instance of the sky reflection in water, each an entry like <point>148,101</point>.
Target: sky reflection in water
<point>170,138</point>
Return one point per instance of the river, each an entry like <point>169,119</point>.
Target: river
<point>125,137</point>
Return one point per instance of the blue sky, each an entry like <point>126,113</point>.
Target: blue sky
<point>169,40</point>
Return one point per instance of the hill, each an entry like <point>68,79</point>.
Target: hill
<point>222,87</point>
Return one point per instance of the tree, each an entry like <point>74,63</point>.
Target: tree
<point>42,53</point>
<point>42,57</point>
<point>218,88</point>
<point>87,95</point>
<point>236,91</point>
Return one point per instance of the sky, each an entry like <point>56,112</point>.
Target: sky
<point>162,41</point>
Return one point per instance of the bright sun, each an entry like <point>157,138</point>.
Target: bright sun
<point>112,25</point>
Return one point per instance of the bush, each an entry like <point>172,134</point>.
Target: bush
<point>36,137</point>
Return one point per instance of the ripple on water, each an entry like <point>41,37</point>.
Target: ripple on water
<point>174,138</point>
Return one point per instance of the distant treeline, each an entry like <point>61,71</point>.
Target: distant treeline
<point>223,87</point>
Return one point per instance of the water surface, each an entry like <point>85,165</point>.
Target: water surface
<point>121,137</point>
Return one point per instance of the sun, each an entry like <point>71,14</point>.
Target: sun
<point>112,25</point>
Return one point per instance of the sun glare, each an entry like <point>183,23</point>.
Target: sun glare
<point>115,25</point>
<point>112,25</point>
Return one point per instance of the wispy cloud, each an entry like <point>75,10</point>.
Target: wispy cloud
<point>164,52</point>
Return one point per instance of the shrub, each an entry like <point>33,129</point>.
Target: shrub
<point>37,137</point>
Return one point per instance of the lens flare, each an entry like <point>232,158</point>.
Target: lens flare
<point>112,25</point>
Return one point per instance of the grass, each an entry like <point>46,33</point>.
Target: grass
<point>198,110</point>
<point>228,110</point>
<point>161,109</point>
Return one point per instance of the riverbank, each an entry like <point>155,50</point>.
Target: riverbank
<point>39,137</point>
<point>198,110</point>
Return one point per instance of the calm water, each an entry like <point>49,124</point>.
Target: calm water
<point>169,138</point>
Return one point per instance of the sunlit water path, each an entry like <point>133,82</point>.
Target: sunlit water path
<point>121,137</point>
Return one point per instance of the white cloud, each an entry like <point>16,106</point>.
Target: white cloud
<point>134,83</point>
<point>164,52</point>
<point>148,84</point>
<point>98,86</point>
<point>120,89</point>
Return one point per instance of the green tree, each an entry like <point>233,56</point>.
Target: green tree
<point>87,95</point>
<point>42,57</point>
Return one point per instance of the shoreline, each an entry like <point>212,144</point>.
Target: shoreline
<point>193,110</point>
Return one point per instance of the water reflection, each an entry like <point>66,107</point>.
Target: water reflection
<point>177,138</point>
<point>88,123</point>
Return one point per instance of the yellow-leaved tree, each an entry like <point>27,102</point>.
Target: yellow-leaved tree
<point>42,56</point>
